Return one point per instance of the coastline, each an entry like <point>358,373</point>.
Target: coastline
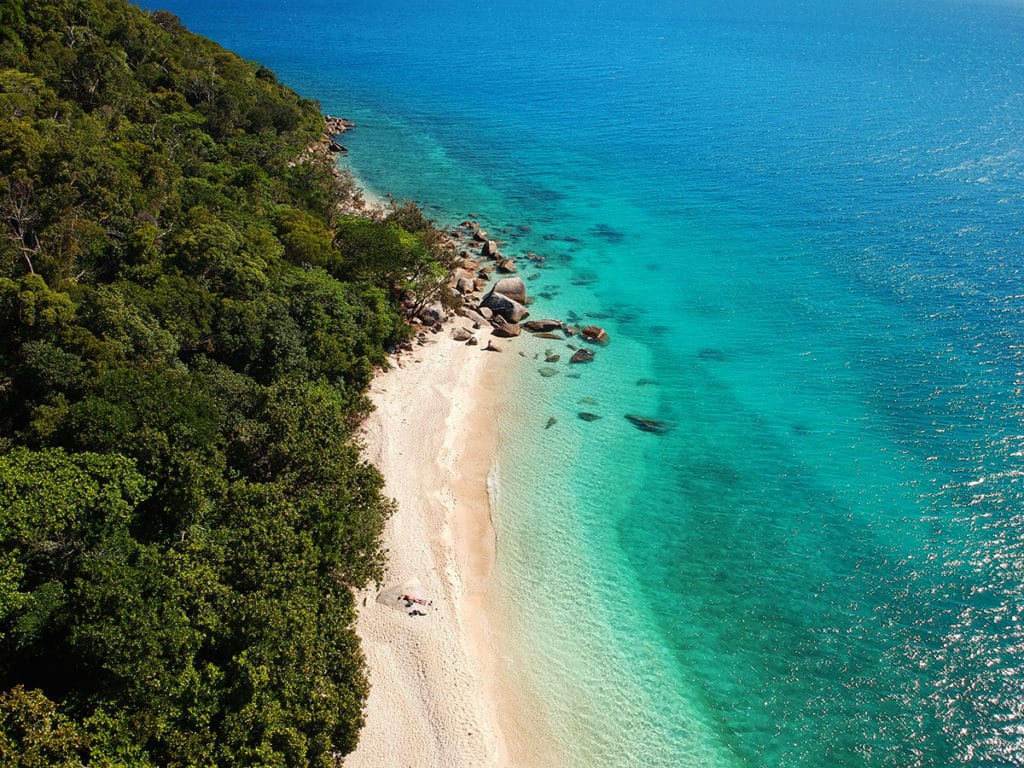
<point>435,694</point>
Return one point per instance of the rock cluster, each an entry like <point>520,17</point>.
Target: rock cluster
<point>501,308</point>
<point>335,126</point>
<point>503,305</point>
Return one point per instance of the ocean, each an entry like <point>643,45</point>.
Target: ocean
<point>802,225</point>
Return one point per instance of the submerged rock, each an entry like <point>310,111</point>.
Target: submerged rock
<point>582,356</point>
<point>588,416</point>
<point>540,326</point>
<point>551,422</point>
<point>595,334</point>
<point>547,373</point>
<point>644,424</point>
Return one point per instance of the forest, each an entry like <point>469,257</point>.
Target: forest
<point>190,315</point>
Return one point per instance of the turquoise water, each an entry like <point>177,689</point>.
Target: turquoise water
<point>802,226</point>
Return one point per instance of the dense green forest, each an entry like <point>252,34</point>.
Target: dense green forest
<point>188,321</point>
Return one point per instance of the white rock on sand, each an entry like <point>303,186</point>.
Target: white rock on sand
<point>430,704</point>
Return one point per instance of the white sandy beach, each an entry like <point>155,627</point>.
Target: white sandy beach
<point>434,699</point>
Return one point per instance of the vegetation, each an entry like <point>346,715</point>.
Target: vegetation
<point>188,323</point>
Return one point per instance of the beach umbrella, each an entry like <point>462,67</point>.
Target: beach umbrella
<point>400,595</point>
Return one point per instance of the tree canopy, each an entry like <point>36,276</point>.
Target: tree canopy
<point>188,323</point>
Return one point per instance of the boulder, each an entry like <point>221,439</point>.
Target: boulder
<point>480,236</point>
<point>479,284</point>
<point>539,326</point>
<point>465,285</point>
<point>486,313</point>
<point>502,305</point>
<point>431,314</point>
<point>491,346</point>
<point>489,250</point>
<point>461,334</point>
<point>513,287</point>
<point>473,316</point>
<point>461,274</point>
<point>582,356</point>
<point>508,266</point>
<point>505,329</point>
<point>472,341</point>
<point>595,334</point>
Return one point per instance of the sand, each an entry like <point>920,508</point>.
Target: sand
<point>435,699</point>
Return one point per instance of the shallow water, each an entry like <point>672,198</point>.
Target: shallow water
<point>802,228</point>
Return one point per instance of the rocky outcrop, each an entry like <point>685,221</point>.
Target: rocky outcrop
<point>489,249</point>
<point>335,126</point>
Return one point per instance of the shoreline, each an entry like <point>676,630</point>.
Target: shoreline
<point>436,690</point>
<point>443,685</point>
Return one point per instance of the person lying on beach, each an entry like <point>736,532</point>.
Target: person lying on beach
<point>410,600</point>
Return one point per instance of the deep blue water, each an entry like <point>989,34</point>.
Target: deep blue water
<point>802,225</point>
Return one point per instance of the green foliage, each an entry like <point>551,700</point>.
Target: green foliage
<point>35,734</point>
<point>187,330</point>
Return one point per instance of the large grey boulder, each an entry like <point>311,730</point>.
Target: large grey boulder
<point>513,287</point>
<point>501,305</point>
